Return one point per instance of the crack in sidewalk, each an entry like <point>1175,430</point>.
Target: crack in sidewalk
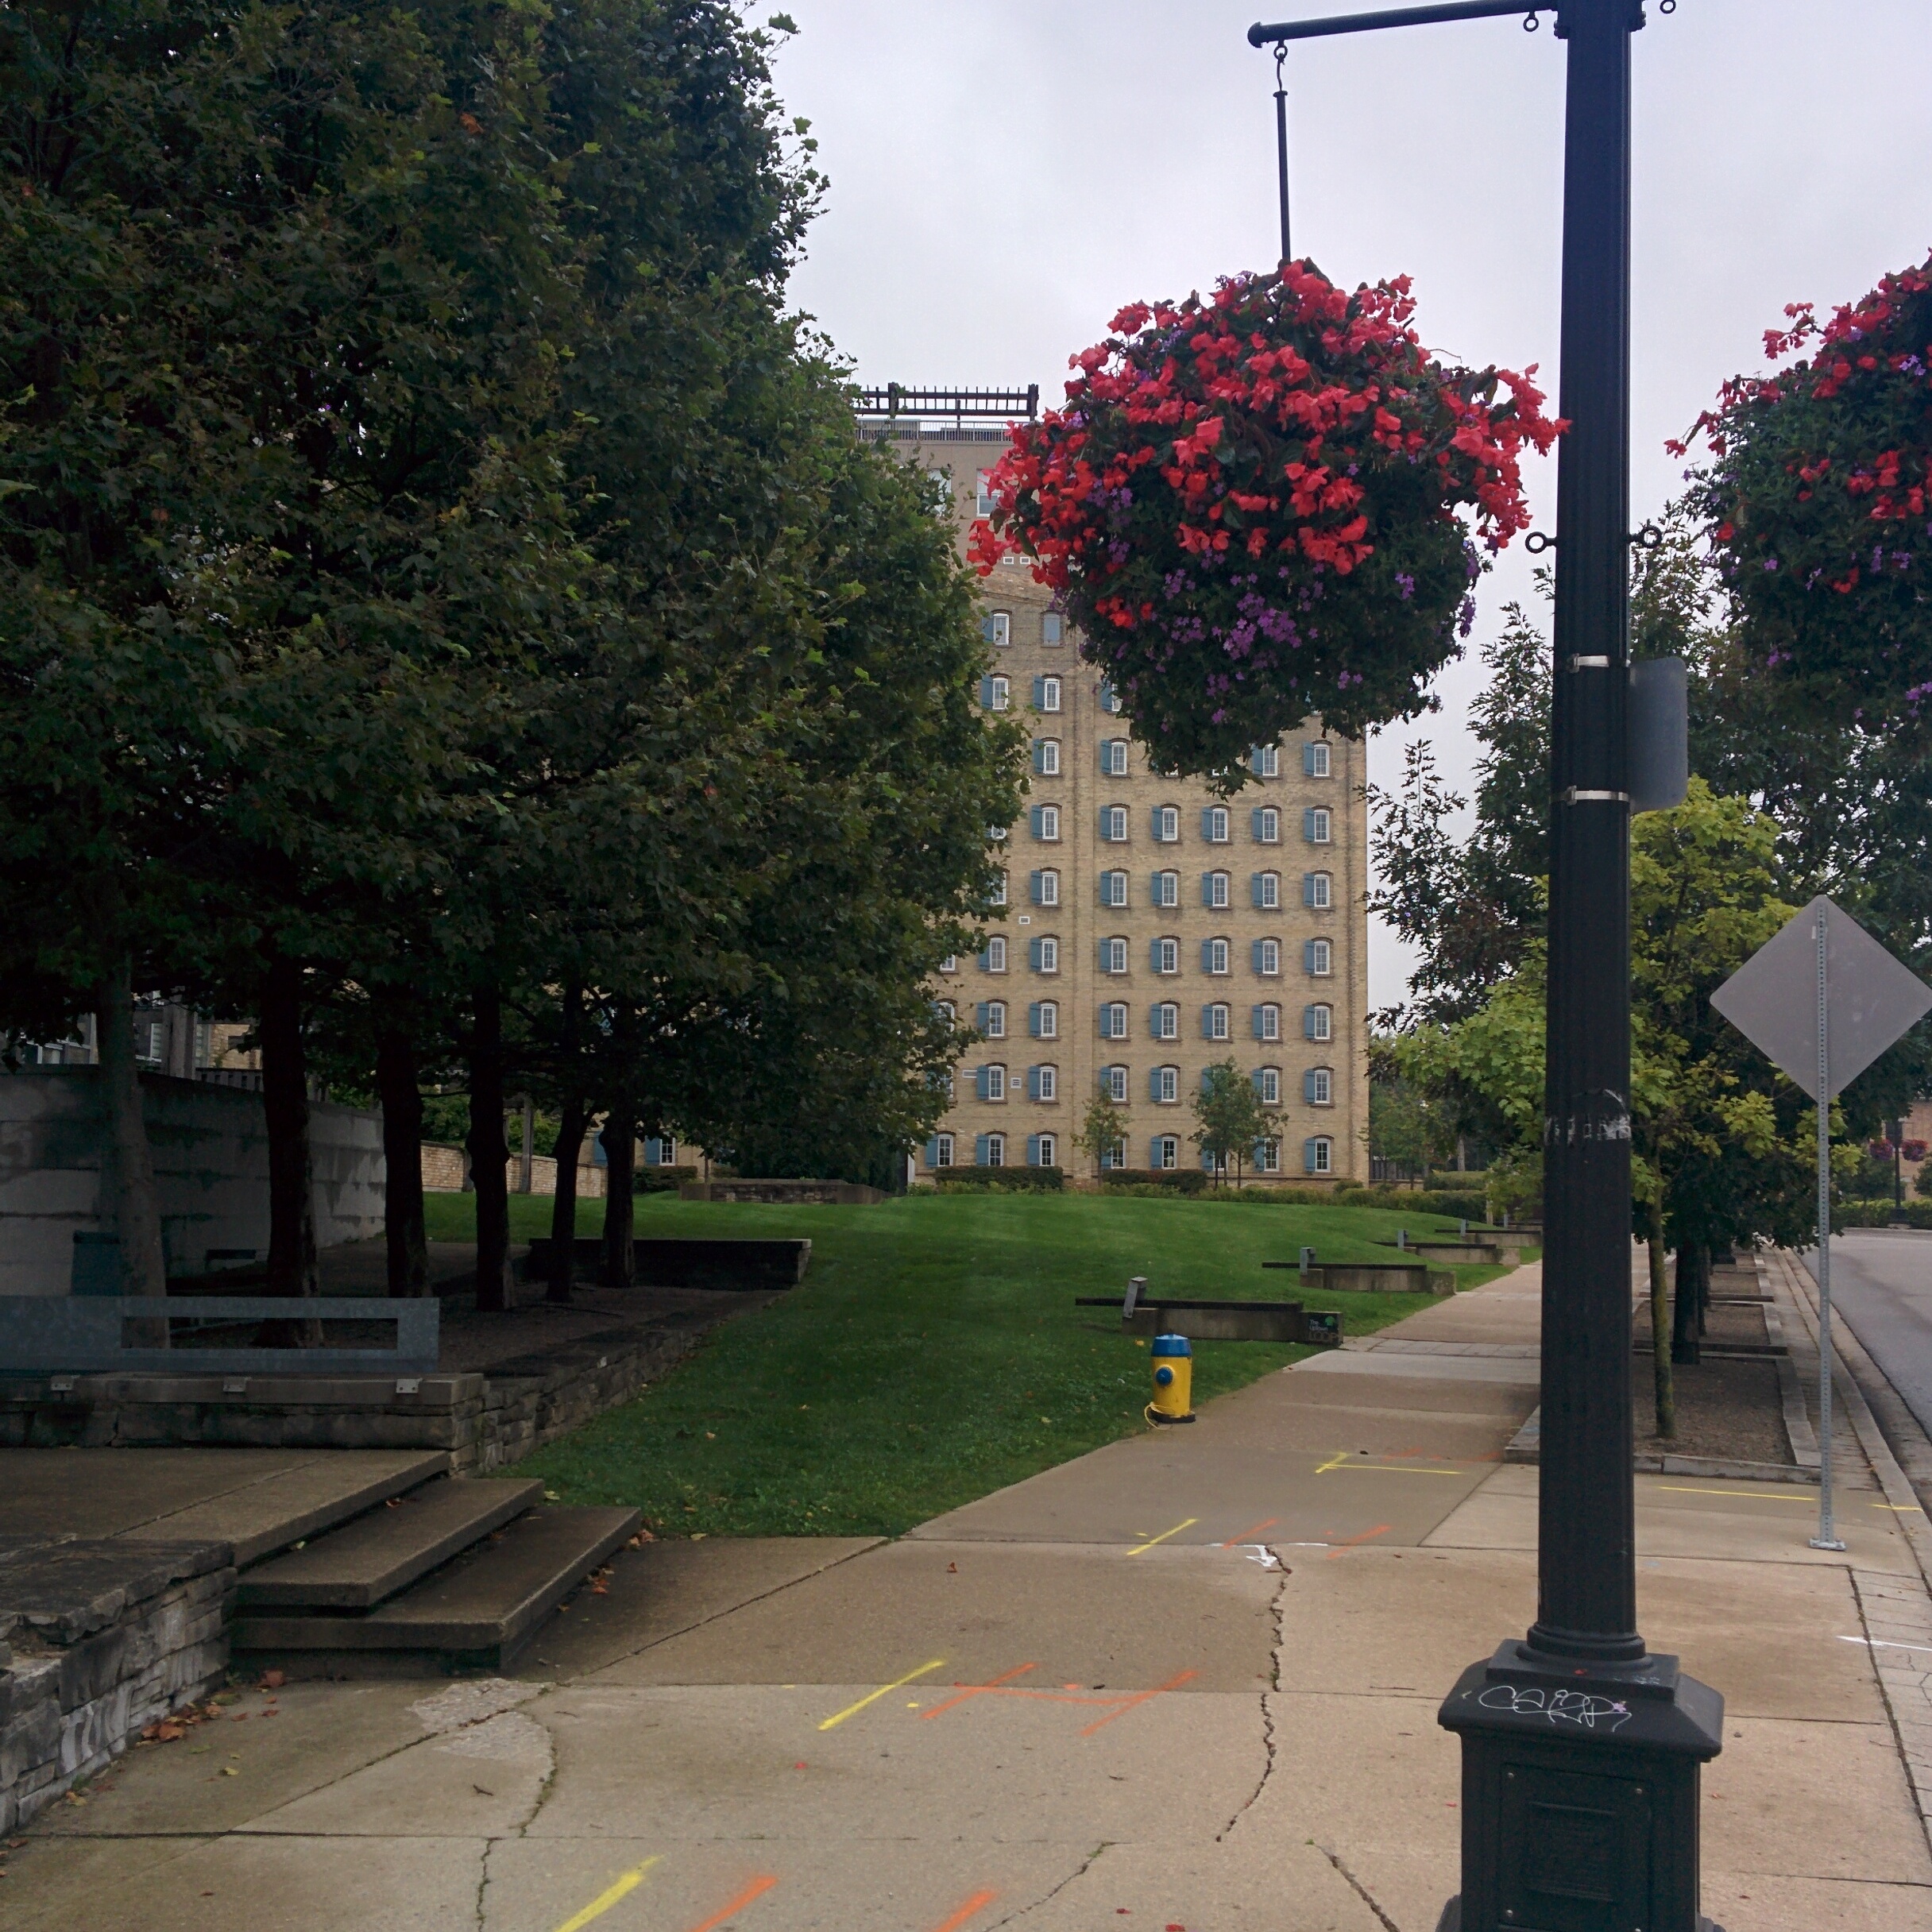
<point>1278,1611</point>
<point>1360,1890</point>
<point>1080,1871</point>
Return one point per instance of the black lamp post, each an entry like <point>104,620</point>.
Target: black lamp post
<point>1581,1750</point>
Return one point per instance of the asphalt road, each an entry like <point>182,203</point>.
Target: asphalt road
<point>1881,1285</point>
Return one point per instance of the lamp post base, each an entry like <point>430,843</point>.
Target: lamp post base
<point>1451,1920</point>
<point>1580,1793</point>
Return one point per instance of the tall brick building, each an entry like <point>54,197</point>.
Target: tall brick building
<point>1150,929</point>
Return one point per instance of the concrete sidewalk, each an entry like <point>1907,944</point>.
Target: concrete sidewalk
<point>1187,1681</point>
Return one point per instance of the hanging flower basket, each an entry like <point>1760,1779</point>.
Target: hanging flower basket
<point>1252,507</point>
<point>1818,500</point>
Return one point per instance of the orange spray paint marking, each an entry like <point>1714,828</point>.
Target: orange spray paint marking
<point>1127,1704</point>
<point>967,1690</point>
<point>1348,1543</point>
<point>978,1902</point>
<point>1266,1523</point>
<point>757,1889</point>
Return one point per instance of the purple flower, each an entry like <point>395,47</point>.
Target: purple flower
<point>1405,583</point>
<point>1771,563</point>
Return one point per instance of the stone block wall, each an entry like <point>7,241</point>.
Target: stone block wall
<point>102,1638</point>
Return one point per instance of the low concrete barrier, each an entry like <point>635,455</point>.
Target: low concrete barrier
<point>1373,1277</point>
<point>791,1193</point>
<point>1223,1321</point>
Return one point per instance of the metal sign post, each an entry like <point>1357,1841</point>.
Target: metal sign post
<point>1826,1538</point>
<point>1822,999</point>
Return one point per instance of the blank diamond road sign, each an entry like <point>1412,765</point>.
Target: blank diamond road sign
<point>1870,999</point>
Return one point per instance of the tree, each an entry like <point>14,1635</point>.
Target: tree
<point>1471,906</point>
<point>1103,1129</point>
<point>444,611</point>
<point>1409,1130</point>
<point>1720,1152</point>
<point>1229,1109</point>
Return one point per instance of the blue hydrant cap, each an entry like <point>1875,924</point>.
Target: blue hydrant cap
<point>1163,1375</point>
<point>1170,1345</point>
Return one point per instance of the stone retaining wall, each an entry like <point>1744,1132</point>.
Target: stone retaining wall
<point>484,1420</point>
<point>101,1638</point>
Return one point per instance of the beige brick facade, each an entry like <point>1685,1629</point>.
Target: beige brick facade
<point>1073,953</point>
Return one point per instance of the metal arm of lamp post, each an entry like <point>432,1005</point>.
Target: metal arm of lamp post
<point>1581,1751</point>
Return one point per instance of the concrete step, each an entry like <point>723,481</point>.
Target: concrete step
<point>478,1610</point>
<point>369,1560</point>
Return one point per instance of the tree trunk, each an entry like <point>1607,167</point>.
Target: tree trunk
<point>619,1207</point>
<point>525,1153</point>
<point>1683,1305</point>
<point>130,1204</point>
<point>1660,1329</point>
<point>284,1097</point>
<point>489,1154</point>
<point>402,1152</point>
<point>563,1207</point>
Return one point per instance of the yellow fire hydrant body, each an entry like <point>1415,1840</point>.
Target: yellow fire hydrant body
<point>1173,1380</point>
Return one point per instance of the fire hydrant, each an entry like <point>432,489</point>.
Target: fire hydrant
<point>1173,1380</point>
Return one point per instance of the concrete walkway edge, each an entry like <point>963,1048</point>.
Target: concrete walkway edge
<point>1898,1618</point>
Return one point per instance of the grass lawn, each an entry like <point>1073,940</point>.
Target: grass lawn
<point>933,1354</point>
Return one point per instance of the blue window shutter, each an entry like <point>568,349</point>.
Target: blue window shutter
<point>1307,956</point>
<point>1307,761</point>
<point>1207,821</point>
<point>1255,888</point>
<point>1033,1019</point>
<point>1254,1019</point>
<point>1308,1156</point>
<point>1307,823</point>
<point>985,957</point>
<point>1256,1076</point>
<point>978,1150</point>
<point>1106,1159</point>
<point>1207,1161</point>
<point>1039,755</point>
<point>1107,695</point>
<point>1307,1022</point>
<point>1033,886</point>
<point>1207,954</point>
<point>932,1151</point>
<point>1254,955</point>
<point>986,694</point>
<point>979,1015</point>
<point>1154,819</point>
<point>1033,820</point>
<point>1308,888</point>
<point>1254,824</point>
<point>1307,1086</point>
<point>1255,761</point>
<point>1039,692</point>
<point>1207,1023</point>
<point>978,1083</point>
<point>1154,1083</point>
<point>1154,954</point>
<point>1033,1151</point>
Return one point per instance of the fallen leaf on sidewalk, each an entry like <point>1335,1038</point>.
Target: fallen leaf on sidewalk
<point>273,1680</point>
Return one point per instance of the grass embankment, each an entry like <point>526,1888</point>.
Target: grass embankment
<point>933,1353</point>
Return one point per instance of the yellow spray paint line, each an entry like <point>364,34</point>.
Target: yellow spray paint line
<point>1679,1488</point>
<point>852,1710</point>
<point>1342,1459</point>
<point>1164,1535</point>
<point>604,1900</point>
<point>1900,1509</point>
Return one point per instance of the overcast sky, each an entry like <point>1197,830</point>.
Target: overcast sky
<point>1006,173</point>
